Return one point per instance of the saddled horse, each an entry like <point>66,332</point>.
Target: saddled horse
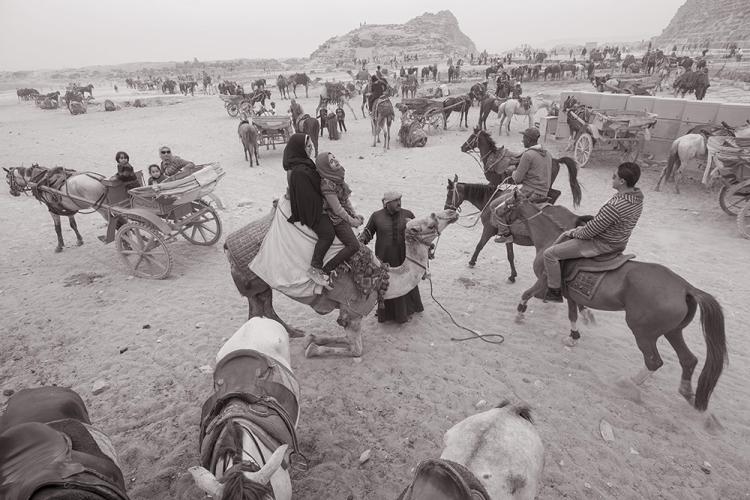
<point>497,454</point>
<point>511,107</point>
<point>495,162</point>
<point>656,300</point>
<point>486,106</point>
<point>83,186</point>
<point>381,119</point>
<point>250,421</point>
<point>461,104</point>
<point>50,451</point>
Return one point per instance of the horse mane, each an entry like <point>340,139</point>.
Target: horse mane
<point>490,141</point>
<point>236,485</point>
<point>476,190</point>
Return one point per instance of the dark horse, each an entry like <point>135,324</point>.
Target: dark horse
<point>461,104</point>
<point>486,106</point>
<point>495,163</point>
<point>655,299</point>
<point>50,451</point>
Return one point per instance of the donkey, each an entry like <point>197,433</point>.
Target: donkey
<point>382,118</point>
<point>495,454</point>
<point>250,421</point>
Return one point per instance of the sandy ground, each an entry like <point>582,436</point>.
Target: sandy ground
<point>67,316</point>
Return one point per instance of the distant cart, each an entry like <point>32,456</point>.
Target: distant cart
<point>273,130</point>
<point>729,157</point>
<point>610,129</point>
<point>427,112</point>
<point>635,85</point>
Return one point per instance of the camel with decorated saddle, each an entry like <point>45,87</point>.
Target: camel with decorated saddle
<point>272,254</point>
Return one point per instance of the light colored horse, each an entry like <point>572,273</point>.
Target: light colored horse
<point>270,339</point>
<point>495,454</point>
<point>85,187</point>
<point>512,107</point>
<point>382,118</point>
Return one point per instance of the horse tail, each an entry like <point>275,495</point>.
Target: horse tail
<point>712,323</point>
<point>673,162</point>
<point>575,187</point>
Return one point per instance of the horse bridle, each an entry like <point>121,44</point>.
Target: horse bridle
<point>473,143</point>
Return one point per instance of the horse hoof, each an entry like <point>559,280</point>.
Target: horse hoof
<point>569,342</point>
<point>311,351</point>
<point>511,279</point>
<point>79,243</point>
<point>472,264</point>
<point>58,249</point>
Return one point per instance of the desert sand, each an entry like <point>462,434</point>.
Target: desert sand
<point>77,317</point>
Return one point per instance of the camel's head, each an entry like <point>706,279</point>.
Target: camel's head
<point>426,229</point>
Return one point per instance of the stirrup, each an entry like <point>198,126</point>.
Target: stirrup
<point>504,238</point>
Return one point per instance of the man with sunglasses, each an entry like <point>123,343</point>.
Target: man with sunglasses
<point>172,165</point>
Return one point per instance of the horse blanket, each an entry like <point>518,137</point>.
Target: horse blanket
<point>46,440</point>
<point>254,387</point>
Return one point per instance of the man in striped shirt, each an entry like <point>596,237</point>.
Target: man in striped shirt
<point>608,232</point>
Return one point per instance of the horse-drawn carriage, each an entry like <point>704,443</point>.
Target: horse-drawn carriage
<point>273,130</point>
<point>629,84</point>
<point>428,113</point>
<point>608,130</point>
<point>143,219</point>
<point>244,103</point>
<point>729,157</point>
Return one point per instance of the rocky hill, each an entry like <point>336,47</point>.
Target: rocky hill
<point>429,36</point>
<point>708,22</point>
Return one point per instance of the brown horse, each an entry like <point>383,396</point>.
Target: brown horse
<point>461,104</point>
<point>81,186</point>
<point>249,138</point>
<point>307,124</point>
<point>655,299</point>
<point>486,106</point>
<point>382,118</point>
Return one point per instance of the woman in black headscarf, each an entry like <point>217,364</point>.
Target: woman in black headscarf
<point>307,200</point>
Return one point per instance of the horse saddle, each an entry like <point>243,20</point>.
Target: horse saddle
<point>266,393</point>
<point>584,275</point>
<point>44,442</point>
<point>447,477</point>
<point>301,119</point>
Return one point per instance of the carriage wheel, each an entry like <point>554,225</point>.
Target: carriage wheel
<point>143,250</point>
<point>205,227</point>
<point>434,119</point>
<point>233,109</point>
<point>743,221</point>
<point>733,196</point>
<point>582,150</point>
<point>246,107</point>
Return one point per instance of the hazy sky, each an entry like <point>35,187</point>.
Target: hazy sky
<point>70,33</point>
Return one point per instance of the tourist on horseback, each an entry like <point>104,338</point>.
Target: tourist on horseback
<point>125,172</point>
<point>336,205</point>
<point>388,226</point>
<point>608,232</point>
<point>533,173</point>
<point>155,175</point>
<point>306,200</point>
<point>172,165</point>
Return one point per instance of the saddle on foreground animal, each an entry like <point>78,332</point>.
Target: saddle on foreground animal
<point>655,299</point>
<point>495,163</point>
<point>493,455</point>
<point>256,250</point>
<point>381,119</point>
<point>83,186</point>
<point>693,146</point>
<point>50,451</point>
<point>250,420</point>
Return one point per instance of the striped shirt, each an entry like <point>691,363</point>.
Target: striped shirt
<point>615,221</point>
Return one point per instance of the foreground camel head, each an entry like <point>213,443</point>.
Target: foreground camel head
<point>427,229</point>
<point>208,483</point>
<point>503,450</point>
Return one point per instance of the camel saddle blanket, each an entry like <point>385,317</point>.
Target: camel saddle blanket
<point>583,276</point>
<point>432,474</point>
<point>46,440</point>
<point>284,256</point>
<point>255,388</point>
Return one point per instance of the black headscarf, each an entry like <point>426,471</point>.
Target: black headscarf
<point>305,196</point>
<point>295,154</point>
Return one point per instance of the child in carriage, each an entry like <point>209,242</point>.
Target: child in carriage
<point>337,206</point>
